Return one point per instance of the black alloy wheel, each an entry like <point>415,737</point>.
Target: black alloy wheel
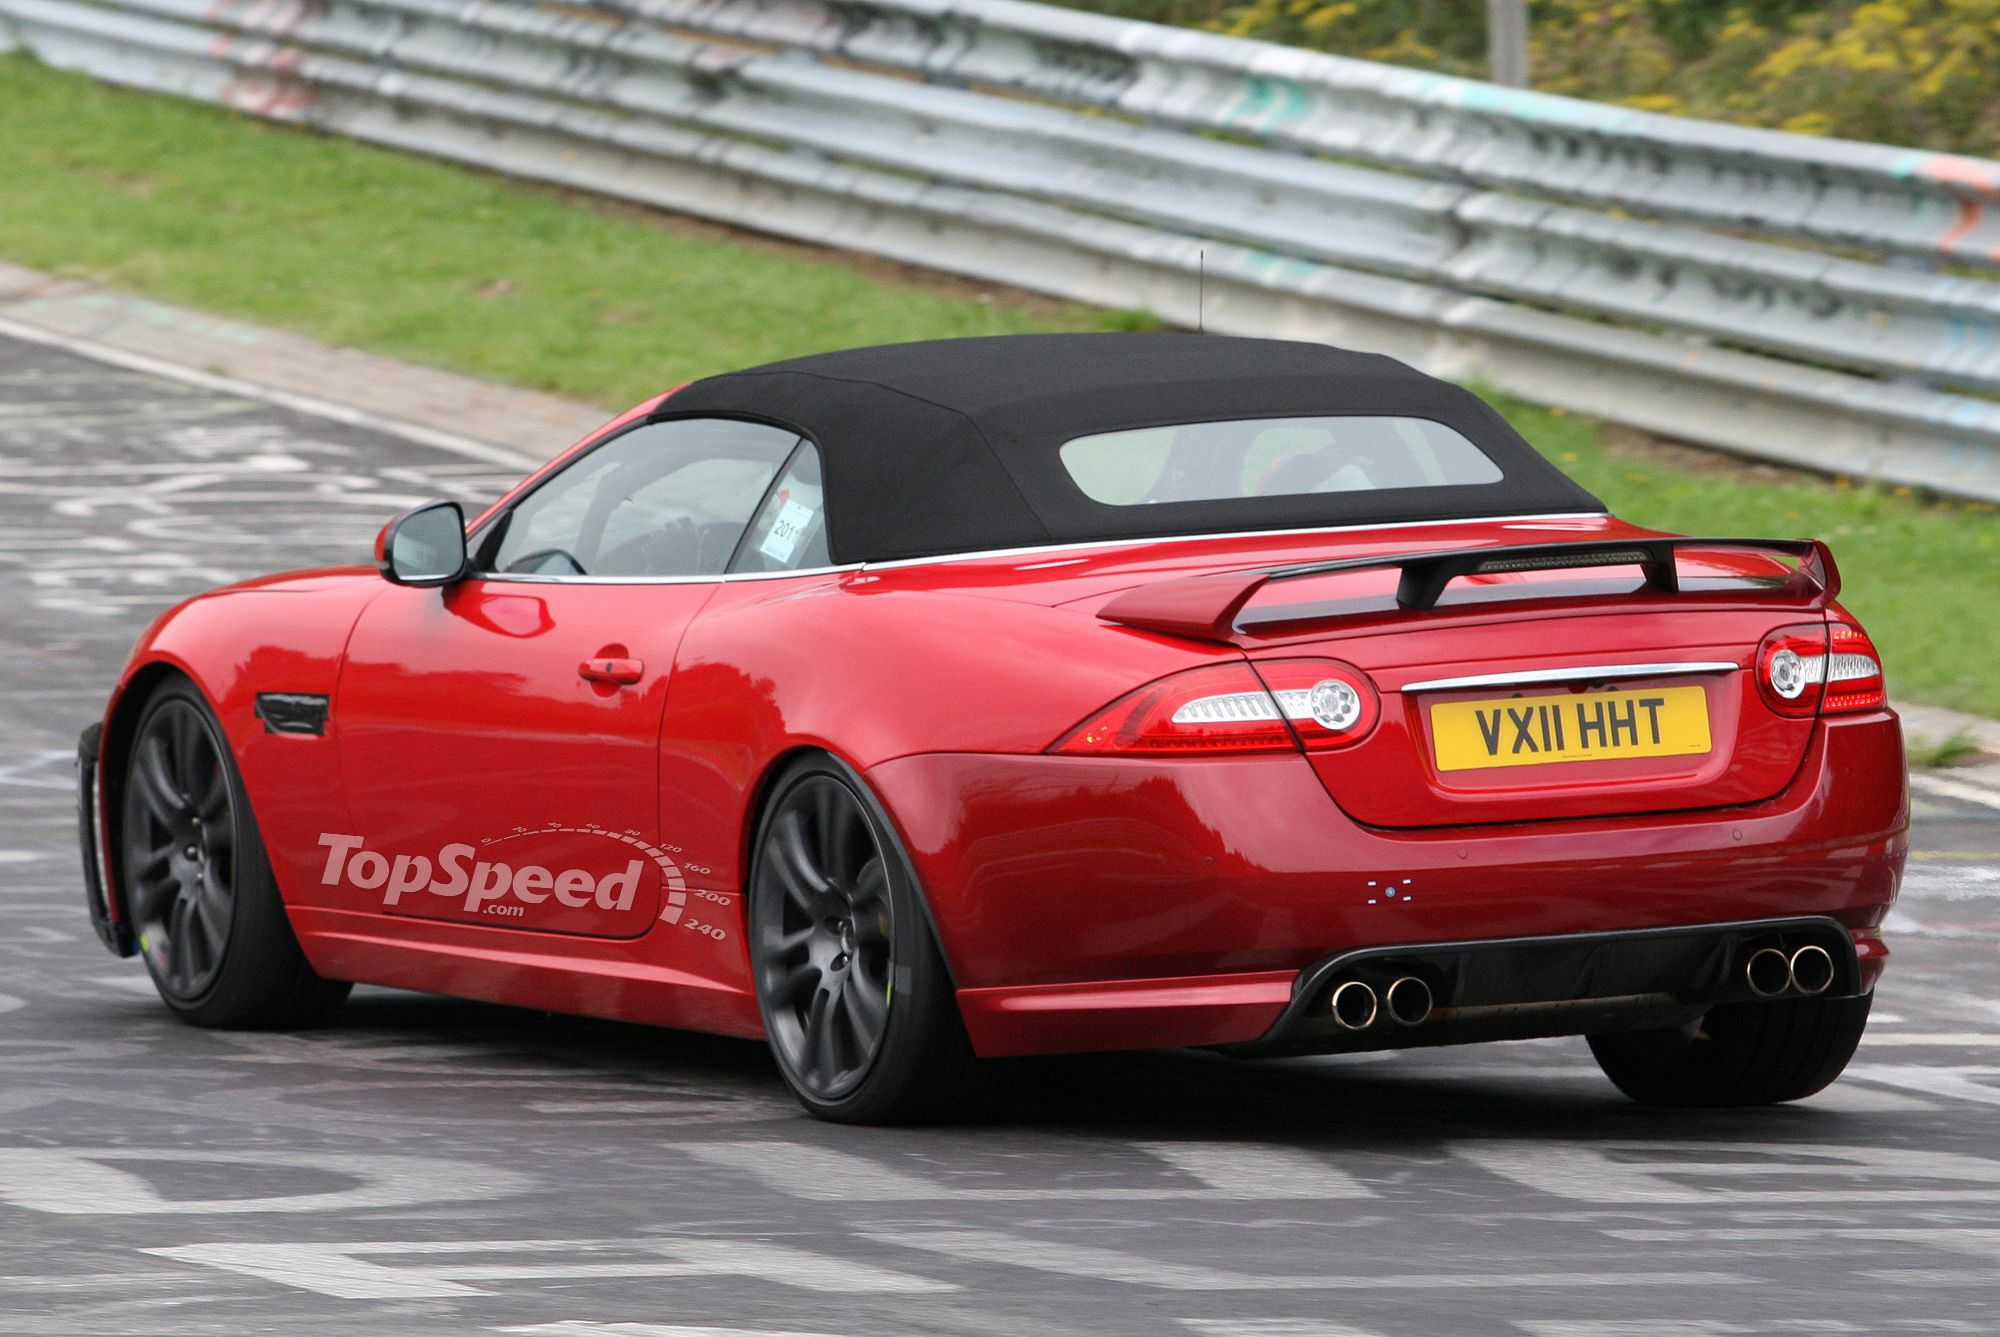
<point>197,885</point>
<point>179,839</point>
<point>857,1001</point>
<point>825,932</point>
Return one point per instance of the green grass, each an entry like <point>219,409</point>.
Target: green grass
<point>400,255</point>
<point>426,261</point>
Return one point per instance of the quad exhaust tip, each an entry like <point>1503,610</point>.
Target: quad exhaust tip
<point>1353,1006</point>
<point>1809,970</point>
<point>1769,972</point>
<point>1409,1001</point>
<point>1812,970</point>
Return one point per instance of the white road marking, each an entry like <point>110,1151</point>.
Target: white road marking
<point>8,1002</point>
<point>583,1328</point>
<point>1980,1241</point>
<point>1273,1327</point>
<point>1940,787</point>
<point>1962,1040</point>
<point>75,1182</point>
<point>1226,1171</point>
<point>1952,1083</point>
<point>1729,1175</point>
<point>1095,1264</point>
<point>432,1269</point>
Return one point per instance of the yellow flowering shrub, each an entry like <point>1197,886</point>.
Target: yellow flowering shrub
<point>1918,72</point>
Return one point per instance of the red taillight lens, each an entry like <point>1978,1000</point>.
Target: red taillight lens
<point>1853,671</point>
<point>1819,669</point>
<point>1328,704</point>
<point>1226,709</point>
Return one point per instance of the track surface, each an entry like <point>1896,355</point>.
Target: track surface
<point>431,1165</point>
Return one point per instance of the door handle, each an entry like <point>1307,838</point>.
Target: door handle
<point>612,670</point>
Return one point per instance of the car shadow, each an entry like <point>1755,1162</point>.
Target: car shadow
<point>1408,1099</point>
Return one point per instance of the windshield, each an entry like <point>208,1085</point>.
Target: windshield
<point>1273,457</point>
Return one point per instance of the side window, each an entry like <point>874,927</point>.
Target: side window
<point>664,499</point>
<point>789,533</point>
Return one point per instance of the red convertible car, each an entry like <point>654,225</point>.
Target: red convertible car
<point>921,705</point>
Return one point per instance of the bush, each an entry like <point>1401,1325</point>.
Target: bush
<point>1924,73</point>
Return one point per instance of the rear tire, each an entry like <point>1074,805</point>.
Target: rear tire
<point>1738,1054</point>
<point>856,997</point>
<point>199,889</point>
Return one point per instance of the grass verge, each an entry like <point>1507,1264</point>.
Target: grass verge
<point>400,255</point>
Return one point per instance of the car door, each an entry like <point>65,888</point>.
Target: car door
<point>499,736</point>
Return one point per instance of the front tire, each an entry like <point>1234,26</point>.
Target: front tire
<point>856,998</point>
<point>199,889</point>
<point>1738,1054</point>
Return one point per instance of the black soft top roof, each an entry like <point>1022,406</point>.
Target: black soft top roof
<point>951,446</point>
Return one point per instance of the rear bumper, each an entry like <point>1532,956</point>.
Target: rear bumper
<point>1502,989</point>
<point>1087,904</point>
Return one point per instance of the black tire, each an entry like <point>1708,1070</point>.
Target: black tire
<point>1738,1054</point>
<point>856,997</point>
<point>199,890</point>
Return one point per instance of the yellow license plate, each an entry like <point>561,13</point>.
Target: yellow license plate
<point>1571,726</point>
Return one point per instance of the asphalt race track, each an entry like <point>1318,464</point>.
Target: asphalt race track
<point>431,1165</point>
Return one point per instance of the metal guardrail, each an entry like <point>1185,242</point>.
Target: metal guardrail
<point>1753,290</point>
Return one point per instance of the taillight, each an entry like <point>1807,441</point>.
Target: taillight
<point>1329,704</point>
<point>1225,708</point>
<point>1853,671</point>
<point>1819,668</point>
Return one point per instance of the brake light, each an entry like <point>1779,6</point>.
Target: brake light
<point>1820,669</point>
<point>1227,709</point>
<point>1854,671</point>
<point>1329,704</point>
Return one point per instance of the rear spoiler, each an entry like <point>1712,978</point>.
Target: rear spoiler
<point>1204,608</point>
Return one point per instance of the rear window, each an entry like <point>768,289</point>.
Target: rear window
<point>1272,457</point>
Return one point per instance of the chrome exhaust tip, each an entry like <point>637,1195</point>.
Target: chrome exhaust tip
<point>1812,970</point>
<point>1768,973</point>
<point>1408,1001</point>
<point>1353,1006</point>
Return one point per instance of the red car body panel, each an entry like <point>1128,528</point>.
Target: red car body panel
<point>1081,903</point>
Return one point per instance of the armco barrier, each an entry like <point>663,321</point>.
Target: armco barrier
<point>1772,294</point>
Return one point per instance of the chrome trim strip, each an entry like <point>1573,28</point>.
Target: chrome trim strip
<point>527,579</point>
<point>1588,673</point>
<point>1237,534</point>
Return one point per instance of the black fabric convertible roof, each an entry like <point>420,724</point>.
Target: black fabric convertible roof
<point>952,446</point>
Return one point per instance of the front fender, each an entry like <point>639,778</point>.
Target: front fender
<point>284,634</point>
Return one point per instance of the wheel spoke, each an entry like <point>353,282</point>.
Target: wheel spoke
<point>783,946</point>
<point>153,899</point>
<point>155,784</point>
<point>179,966</point>
<point>871,886</point>
<point>813,1042</point>
<point>184,742</point>
<point>836,819</point>
<point>794,985</point>
<point>212,805</point>
<point>795,865</point>
<point>204,915</point>
<point>867,1006</point>
<point>825,1039</point>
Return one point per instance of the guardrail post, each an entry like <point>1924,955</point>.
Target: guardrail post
<point>1507,42</point>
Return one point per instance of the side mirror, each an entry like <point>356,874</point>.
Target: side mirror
<point>424,545</point>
